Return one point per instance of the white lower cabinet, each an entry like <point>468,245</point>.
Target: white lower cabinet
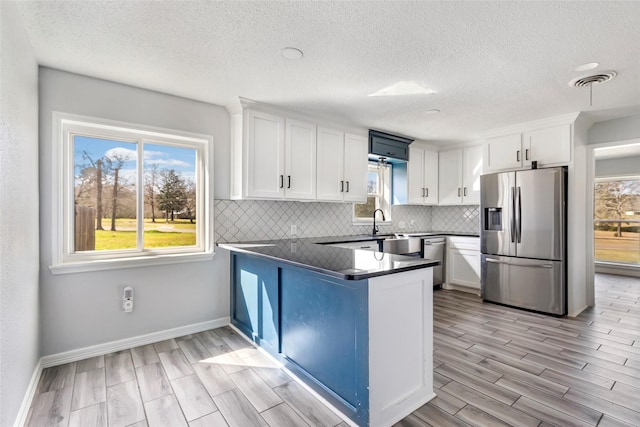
<point>463,264</point>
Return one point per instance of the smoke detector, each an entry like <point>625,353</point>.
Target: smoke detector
<point>587,80</point>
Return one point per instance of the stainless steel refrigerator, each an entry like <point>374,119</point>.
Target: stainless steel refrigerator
<point>523,239</point>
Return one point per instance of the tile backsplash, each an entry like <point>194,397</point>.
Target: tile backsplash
<point>465,219</point>
<point>248,220</point>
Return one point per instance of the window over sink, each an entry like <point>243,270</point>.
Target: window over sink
<point>378,194</point>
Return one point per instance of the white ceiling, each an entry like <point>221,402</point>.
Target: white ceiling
<point>493,64</point>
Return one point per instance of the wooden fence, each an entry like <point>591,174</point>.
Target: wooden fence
<point>85,229</point>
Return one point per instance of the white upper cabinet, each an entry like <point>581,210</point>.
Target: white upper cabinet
<point>265,156</point>
<point>342,166</point>
<point>503,152</point>
<point>459,176</point>
<point>281,158</point>
<point>330,184</point>
<point>422,176</point>
<point>299,179</point>
<point>471,171</point>
<point>550,146</point>
<point>355,168</point>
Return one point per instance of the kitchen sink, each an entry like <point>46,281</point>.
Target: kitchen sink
<point>400,244</point>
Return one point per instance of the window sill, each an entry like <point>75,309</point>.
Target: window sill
<point>120,263</point>
<point>370,222</point>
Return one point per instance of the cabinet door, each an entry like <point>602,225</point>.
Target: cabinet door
<point>431,177</point>
<point>549,147</point>
<point>463,268</point>
<point>450,177</point>
<point>355,168</point>
<point>300,160</point>
<point>265,155</point>
<point>415,176</point>
<point>471,171</point>
<point>504,152</point>
<point>330,163</point>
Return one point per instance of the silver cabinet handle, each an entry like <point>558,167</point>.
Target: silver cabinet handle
<point>518,155</point>
<point>495,261</point>
<point>289,181</point>
<point>347,186</point>
<point>465,192</point>
<point>427,191</point>
<point>459,191</point>
<point>526,154</point>
<point>281,181</point>
<point>342,186</point>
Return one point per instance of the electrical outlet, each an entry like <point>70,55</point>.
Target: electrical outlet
<point>127,299</point>
<point>294,230</point>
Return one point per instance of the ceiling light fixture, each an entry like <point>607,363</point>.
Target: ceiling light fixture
<point>432,111</point>
<point>586,67</point>
<point>291,53</point>
<point>404,88</point>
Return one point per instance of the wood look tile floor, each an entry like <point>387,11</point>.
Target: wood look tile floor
<point>493,366</point>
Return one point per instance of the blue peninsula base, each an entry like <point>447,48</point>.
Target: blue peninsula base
<point>365,345</point>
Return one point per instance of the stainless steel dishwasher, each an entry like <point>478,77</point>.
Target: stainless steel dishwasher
<point>434,249</point>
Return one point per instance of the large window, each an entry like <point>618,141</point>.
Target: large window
<point>378,194</point>
<point>617,220</point>
<point>130,192</point>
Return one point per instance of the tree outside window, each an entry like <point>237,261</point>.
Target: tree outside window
<point>617,219</point>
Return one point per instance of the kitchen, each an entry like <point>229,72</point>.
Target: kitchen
<point>169,297</point>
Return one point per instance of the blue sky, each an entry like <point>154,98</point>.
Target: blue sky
<point>182,160</point>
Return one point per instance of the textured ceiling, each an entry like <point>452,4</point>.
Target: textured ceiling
<point>492,64</point>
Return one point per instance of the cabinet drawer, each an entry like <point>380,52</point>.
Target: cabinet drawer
<point>468,243</point>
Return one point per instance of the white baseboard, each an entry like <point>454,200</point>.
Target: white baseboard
<point>621,270</point>
<point>461,288</point>
<point>123,344</point>
<point>23,412</point>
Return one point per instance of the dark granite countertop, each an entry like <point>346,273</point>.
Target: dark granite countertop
<point>343,263</point>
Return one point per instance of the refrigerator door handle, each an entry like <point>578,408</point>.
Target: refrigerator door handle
<point>513,215</point>
<point>519,218</point>
<point>495,261</point>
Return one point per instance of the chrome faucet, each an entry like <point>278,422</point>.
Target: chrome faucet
<point>375,229</point>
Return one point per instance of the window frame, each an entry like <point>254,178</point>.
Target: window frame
<point>385,182</point>
<point>64,259</point>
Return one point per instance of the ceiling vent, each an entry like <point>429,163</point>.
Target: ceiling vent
<point>601,77</point>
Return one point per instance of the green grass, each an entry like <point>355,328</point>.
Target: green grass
<point>621,249</point>
<point>114,240</point>
<point>130,223</point>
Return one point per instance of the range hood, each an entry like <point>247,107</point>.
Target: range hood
<point>387,146</point>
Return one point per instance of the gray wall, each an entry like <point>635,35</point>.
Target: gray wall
<point>618,167</point>
<point>615,130</point>
<point>83,309</point>
<point>19,332</point>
